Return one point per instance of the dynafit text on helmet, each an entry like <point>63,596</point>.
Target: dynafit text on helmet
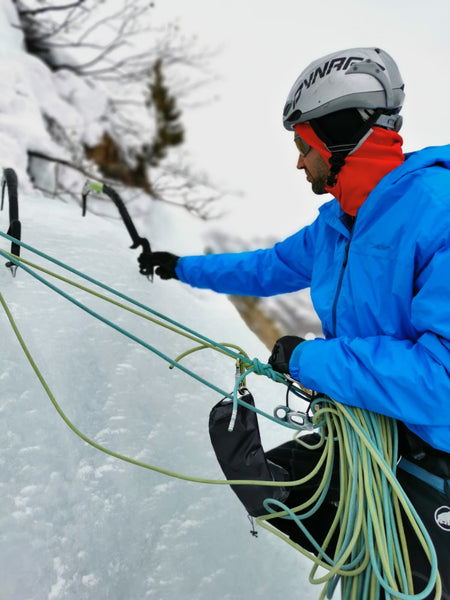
<point>376,260</point>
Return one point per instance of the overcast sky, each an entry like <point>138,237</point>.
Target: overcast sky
<point>240,140</point>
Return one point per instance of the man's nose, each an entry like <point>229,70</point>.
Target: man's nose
<point>300,162</point>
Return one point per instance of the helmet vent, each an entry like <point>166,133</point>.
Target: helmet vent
<point>295,116</point>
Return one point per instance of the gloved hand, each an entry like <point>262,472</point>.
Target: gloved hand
<point>165,264</point>
<point>282,352</point>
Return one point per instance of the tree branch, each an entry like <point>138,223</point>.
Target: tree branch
<point>35,11</point>
<point>62,161</point>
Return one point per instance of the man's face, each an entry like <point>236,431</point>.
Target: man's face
<point>316,169</point>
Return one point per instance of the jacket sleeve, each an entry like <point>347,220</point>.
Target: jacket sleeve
<point>403,379</point>
<point>284,268</point>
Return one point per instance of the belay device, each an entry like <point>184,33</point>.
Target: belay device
<point>102,188</point>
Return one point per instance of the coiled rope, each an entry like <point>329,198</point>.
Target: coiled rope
<point>371,552</point>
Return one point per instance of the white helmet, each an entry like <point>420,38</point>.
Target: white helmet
<point>361,78</point>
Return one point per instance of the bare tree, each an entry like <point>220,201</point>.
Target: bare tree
<point>146,73</point>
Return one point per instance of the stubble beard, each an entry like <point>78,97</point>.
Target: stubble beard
<point>317,173</point>
<point>319,183</point>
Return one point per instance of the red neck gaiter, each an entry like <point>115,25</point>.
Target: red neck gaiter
<point>379,154</point>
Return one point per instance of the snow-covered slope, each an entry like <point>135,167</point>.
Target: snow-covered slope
<point>76,523</point>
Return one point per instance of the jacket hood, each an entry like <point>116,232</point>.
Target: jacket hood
<point>379,154</point>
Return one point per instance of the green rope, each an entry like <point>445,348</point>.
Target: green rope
<point>107,451</point>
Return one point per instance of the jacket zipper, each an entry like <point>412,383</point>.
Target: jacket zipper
<point>339,286</point>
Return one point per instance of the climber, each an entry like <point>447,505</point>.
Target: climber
<point>377,261</point>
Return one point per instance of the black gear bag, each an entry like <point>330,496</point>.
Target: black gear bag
<point>241,456</point>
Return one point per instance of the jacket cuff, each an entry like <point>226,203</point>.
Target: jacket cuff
<point>179,270</point>
<point>294,361</point>
<point>306,361</point>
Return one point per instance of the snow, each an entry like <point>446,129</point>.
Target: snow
<point>76,523</point>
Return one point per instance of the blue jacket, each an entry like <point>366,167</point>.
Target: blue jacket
<point>381,290</point>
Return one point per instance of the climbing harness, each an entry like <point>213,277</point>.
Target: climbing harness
<point>371,552</point>
<point>9,183</point>
<point>102,188</point>
<point>440,484</point>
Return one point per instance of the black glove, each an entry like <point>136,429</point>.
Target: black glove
<point>165,264</point>
<point>282,352</point>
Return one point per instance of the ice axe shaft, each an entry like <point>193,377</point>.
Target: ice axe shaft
<point>102,188</point>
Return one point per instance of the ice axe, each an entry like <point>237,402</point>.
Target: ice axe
<point>103,188</point>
